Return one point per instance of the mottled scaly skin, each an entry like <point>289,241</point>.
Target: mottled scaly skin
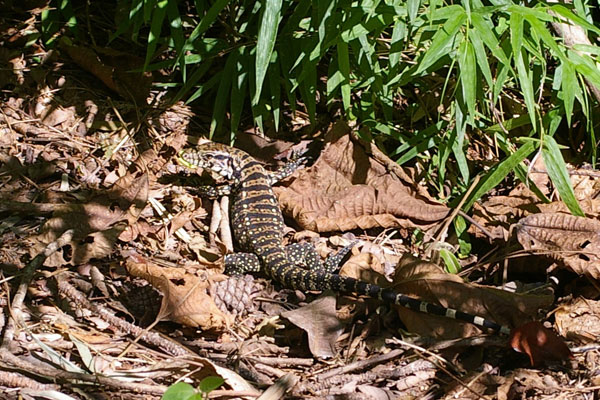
<point>258,228</point>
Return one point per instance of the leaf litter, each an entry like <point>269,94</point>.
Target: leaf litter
<point>82,163</point>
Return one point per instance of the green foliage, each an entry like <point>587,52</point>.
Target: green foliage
<point>185,391</point>
<point>58,13</point>
<point>450,261</point>
<point>425,77</point>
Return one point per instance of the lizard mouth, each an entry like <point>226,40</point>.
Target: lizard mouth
<point>181,160</point>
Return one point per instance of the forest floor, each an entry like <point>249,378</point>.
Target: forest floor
<point>112,269</point>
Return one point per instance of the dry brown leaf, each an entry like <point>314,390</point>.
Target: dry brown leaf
<point>365,267</point>
<point>185,296</point>
<point>575,241</point>
<point>591,207</point>
<point>498,213</point>
<point>541,344</point>
<point>320,321</point>
<point>580,320</point>
<point>97,224</point>
<point>354,185</point>
<point>430,283</point>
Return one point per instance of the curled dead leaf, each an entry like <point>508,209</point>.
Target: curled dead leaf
<point>185,296</point>
<point>541,344</point>
<point>114,68</point>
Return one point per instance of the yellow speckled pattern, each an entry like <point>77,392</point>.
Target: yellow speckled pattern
<point>258,225</point>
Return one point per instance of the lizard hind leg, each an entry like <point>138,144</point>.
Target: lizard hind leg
<point>241,263</point>
<point>304,254</point>
<point>334,261</point>
<point>301,254</point>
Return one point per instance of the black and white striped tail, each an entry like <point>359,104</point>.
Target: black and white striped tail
<point>309,280</point>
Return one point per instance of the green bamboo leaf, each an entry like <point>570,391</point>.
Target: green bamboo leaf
<point>586,67</point>
<point>308,89</point>
<point>586,48</point>
<point>481,56</point>
<point>238,90</point>
<point>516,32</point>
<point>468,76</point>
<point>412,8</point>
<point>557,170</point>
<point>208,19</point>
<point>540,14</point>
<point>131,22</point>
<point>398,36</point>
<point>149,6</point>
<point>497,173</point>
<point>223,93</point>
<point>416,149</point>
<point>521,170</point>
<point>565,12</point>
<point>205,87</point>
<point>569,86</point>
<point>344,68</point>
<point>176,26</point>
<point>267,35</point>
<point>195,78</point>
<point>155,27</point>
<point>177,35</point>
<point>458,143</point>
<point>66,9</point>
<point>499,83</point>
<point>485,32</point>
<point>443,40</point>
<point>546,37</point>
<point>526,86</point>
<point>275,88</point>
<point>509,124</point>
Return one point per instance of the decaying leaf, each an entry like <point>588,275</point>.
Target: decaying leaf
<point>320,321</point>
<point>185,296</point>
<point>97,224</point>
<point>354,185</point>
<point>498,213</point>
<point>541,344</point>
<point>575,241</point>
<point>429,282</point>
<point>579,320</point>
<point>365,267</point>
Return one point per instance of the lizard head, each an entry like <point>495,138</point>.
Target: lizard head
<point>211,156</point>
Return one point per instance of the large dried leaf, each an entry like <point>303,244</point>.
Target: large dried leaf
<point>575,241</point>
<point>354,185</point>
<point>96,224</point>
<point>579,320</point>
<point>185,296</point>
<point>498,213</point>
<point>319,320</point>
<point>541,344</point>
<point>429,282</point>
